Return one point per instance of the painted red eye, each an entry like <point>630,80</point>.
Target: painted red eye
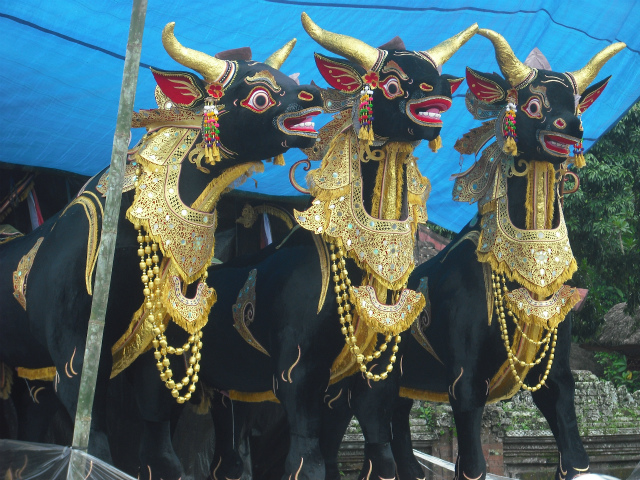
<point>391,87</point>
<point>533,107</point>
<point>259,100</point>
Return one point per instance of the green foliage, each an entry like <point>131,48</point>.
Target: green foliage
<point>603,222</point>
<point>427,413</point>
<point>616,371</point>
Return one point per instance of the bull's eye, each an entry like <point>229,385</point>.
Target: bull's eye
<point>391,87</point>
<point>533,108</point>
<point>259,100</point>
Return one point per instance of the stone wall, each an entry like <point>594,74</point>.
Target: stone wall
<point>516,439</point>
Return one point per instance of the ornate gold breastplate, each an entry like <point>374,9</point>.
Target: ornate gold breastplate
<point>382,247</point>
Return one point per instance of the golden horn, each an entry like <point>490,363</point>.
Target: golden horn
<point>277,58</point>
<point>514,71</point>
<point>586,74</point>
<point>351,48</point>
<point>209,67</point>
<point>445,50</point>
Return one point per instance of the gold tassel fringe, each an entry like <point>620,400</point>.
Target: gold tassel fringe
<point>510,146</point>
<point>278,160</point>
<point>435,144</point>
<point>212,154</point>
<point>579,161</point>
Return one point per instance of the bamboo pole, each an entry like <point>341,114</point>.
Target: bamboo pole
<point>95,330</point>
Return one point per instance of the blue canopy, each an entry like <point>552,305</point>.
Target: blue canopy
<point>62,64</point>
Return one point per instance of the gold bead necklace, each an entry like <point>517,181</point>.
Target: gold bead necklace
<point>151,279</point>
<point>342,290</point>
<point>500,288</point>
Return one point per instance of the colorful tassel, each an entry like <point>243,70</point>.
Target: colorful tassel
<point>435,144</point>
<point>578,155</point>
<point>365,114</point>
<point>509,125</point>
<point>211,131</point>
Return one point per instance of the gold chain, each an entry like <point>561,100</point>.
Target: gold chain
<point>342,290</point>
<point>499,287</point>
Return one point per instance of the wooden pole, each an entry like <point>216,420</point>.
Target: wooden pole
<point>93,346</point>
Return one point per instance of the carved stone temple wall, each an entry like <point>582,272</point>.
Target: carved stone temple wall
<point>516,438</point>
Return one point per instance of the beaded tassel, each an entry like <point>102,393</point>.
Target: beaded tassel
<point>578,155</point>
<point>211,132</point>
<point>509,126</point>
<point>366,115</point>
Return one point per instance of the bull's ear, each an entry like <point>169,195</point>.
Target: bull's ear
<point>455,82</point>
<point>340,74</point>
<point>487,87</point>
<point>591,94</point>
<point>183,88</point>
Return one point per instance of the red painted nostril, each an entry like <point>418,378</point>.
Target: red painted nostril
<point>305,96</point>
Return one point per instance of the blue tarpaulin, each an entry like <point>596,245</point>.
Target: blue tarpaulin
<point>61,64</point>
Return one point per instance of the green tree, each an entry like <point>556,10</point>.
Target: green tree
<point>603,221</point>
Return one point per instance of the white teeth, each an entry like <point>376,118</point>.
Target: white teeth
<point>430,115</point>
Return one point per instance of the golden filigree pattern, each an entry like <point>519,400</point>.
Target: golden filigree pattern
<point>546,313</point>
<point>22,272</point>
<point>540,260</point>
<point>184,234</point>
<point>244,311</point>
<point>482,181</point>
<point>387,319</point>
<point>162,116</point>
<point>129,181</point>
<point>191,314</point>
<point>384,248</point>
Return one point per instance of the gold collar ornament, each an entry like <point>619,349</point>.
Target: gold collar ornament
<point>183,234</point>
<point>382,247</point>
<point>540,260</point>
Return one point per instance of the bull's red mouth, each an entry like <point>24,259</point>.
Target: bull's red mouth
<point>557,144</point>
<point>427,111</point>
<point>299,123</point>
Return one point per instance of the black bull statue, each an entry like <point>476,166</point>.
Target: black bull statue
<point>46,279</point>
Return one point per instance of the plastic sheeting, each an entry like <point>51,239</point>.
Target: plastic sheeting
<point>36,461</point>
<point>62,63</point>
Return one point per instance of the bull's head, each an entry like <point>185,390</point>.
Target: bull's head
<point>263,112</point>
<point>409,93</point>
<point>548,104</point>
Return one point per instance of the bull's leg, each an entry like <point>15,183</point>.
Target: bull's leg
<point>336,417</point>
<point>408,468</point>
<point>226,459</point>
<point>556,402</point>
<point>372,403</point>
<point>69,360</point>
<point>467,396</point>
<point>36,404</point>
<point>157,456</point>
<point>300,383</point>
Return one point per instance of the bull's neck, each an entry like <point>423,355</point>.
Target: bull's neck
<point>384,181</point>
<point>532,196</point>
